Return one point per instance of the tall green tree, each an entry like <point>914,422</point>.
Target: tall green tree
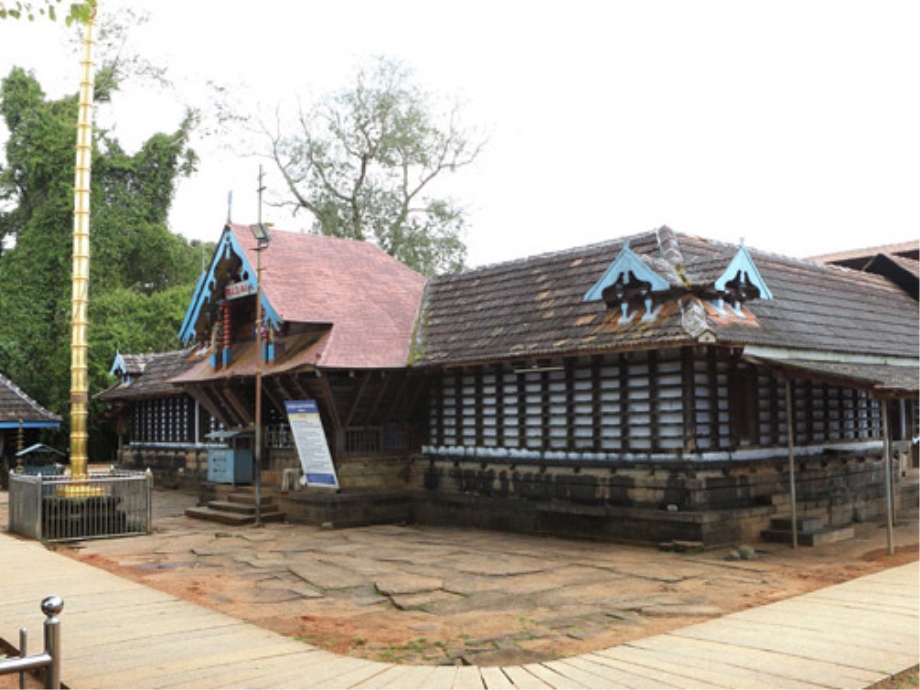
<point>142,274</point>
<point>16,9</point>
<point>364,163</point>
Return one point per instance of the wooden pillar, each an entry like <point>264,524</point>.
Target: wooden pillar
<point>790,435</point>
<point>654,395</point>
<point>624,403</point>
<point>688,367</point>
<point>889,502</point>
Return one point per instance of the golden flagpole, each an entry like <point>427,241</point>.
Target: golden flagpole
<point>79,380</point>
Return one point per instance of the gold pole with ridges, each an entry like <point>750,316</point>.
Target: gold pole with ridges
<point>79,380</point>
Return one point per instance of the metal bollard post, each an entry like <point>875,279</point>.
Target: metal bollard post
<point>51,607</point>
<point>23,651</point>
<point>149,475</point>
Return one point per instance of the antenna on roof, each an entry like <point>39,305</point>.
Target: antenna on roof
<point>229,207</point>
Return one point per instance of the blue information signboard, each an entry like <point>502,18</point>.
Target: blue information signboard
<point>310,439</point>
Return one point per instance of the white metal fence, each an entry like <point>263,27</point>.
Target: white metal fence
<point>59,508</point>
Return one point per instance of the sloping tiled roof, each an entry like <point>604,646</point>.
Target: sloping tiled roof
<point>535,308</point>
<point>16,407</point>
<point>369,299</point>
<point>152,378</point>
<point>301,351</point>
<point>134,364</point>
<point>878,377</point>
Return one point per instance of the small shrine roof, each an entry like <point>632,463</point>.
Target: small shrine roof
<point>152,374</point>
<point>18,408</point>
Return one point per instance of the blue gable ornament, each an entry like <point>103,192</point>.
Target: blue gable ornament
<point>627,280</point>
<point>740,282</point>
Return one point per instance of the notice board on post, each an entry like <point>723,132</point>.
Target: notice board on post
<point>310,439</point>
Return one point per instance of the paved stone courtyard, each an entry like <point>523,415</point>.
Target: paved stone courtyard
<point>422,595</point>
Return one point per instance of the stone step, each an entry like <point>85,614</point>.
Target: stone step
<point>248,497</point>
<point>804,524</point>
<point>233,518</point>
<point>241,508</point>
<point>827,535</point>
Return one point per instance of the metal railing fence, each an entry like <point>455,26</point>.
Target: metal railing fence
<point>50,659</point>
<point>57,507</point>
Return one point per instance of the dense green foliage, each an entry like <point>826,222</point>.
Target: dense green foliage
<point>141,274</point>
<point>76,11</point>
<point>364,164</point>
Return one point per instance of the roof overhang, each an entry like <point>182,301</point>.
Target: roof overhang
<point>882,377</point>
<point>30,425</point>
<point>40,448</point>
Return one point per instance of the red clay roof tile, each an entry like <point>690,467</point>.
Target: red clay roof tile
<point>369,299</point>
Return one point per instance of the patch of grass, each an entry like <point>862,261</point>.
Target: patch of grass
<point>417,648</point>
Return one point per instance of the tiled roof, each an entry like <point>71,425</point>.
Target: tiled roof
<point>300,351</point>
<point>369,299</point>
<point>16,407</point>
<point>152,378</point>
<point>135,364</point>
<point>535,307</point>
<point>879,377</point>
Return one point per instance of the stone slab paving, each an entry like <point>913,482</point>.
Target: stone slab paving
<point>117,633</point>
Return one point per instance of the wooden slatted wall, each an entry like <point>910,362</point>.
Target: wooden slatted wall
<point>667,401</point>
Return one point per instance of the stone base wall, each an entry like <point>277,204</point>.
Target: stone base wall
<point>713,503</point>
<point>179,468</point>
<point>362,474</point>
<point>318,507</point>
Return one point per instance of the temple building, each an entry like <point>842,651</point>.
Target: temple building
<point>656,387</point>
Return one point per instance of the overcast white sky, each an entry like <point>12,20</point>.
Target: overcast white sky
<point>793,124</point>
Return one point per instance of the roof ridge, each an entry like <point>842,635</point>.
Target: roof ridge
<point>552,254</point>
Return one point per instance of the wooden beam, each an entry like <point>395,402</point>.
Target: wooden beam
<point>712,384</point>
<point>438,402</point>
<point>478,421</point>
<point>499,405</point>
<point>688,393</point>
<point>400,392</point>
<point>790,433</point>
<point>653,400</point>
<point>270,388</point>
<point>545,411</point>
<point>569,365</point>
<point>597,416</point>
<point>522,409</point>
<point>329,401</point>
<point>365,377</point>
<point>773,395</point>
<point>237,406</point>
<point>384,387</point>
<point>208,398</point>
